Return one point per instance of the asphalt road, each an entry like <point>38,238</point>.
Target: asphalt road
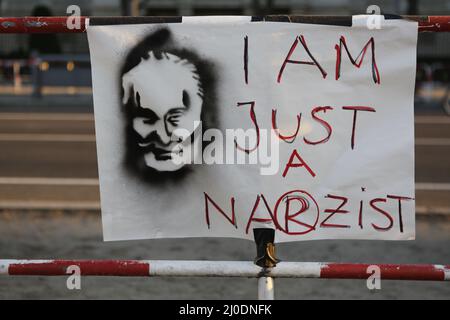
<point>48,161</point>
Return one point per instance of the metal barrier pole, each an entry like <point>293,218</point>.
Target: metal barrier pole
<point>266,288</point>
<point>59,24</point>
<point>265,258</point>
<point>246,269</point>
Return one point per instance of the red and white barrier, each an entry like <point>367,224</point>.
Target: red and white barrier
<point>145,268</point>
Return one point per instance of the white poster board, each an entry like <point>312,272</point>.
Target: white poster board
<point>329,147</point>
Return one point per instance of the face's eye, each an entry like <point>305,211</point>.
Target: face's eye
<point>150,120</point>
<point>148,116</point>
<point>173,117</point>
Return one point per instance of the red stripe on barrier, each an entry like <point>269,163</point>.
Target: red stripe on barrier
<point>38,25</point>
<point>121,268</point>
<point>388,272</point>
<point>136,268</point>
<point>435,24</point>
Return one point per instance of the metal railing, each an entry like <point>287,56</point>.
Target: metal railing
<point>59,24</point>
<point>178,268</point>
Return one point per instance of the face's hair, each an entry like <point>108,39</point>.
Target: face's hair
<point>156,69</point>
<point>157,52</point>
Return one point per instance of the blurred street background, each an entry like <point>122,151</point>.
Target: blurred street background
<point>49,197</point>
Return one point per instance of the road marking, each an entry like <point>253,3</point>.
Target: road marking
<point>43,137</point>
<point>90,117</point>
<point>95,205</point>
<point>432,119</point>
<point>47,116</point>
<point>51,205</point>
<point>432,142</point>
<point>432,211</point>
<point>50,181</point>
<point>432,186</point>
<point>50,137</point>
<point>425,186</point>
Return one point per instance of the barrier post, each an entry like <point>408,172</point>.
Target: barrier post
<point>265,258</point>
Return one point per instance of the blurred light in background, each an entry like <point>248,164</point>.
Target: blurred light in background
<point>70,66</point>
<point>43,66</point>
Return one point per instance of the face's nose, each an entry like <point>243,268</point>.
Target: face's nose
<point>162,131</point>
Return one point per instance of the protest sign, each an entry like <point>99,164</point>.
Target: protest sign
<point>214,126</point>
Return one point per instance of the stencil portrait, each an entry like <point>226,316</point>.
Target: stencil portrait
<point>165,90</point>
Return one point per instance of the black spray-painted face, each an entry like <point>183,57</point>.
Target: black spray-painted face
<point>166,97</point>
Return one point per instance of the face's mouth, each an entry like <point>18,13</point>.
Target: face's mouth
<point>161,154</point>
<point>165,151</point>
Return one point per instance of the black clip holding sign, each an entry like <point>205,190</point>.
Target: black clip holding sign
<point>265,247</point>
